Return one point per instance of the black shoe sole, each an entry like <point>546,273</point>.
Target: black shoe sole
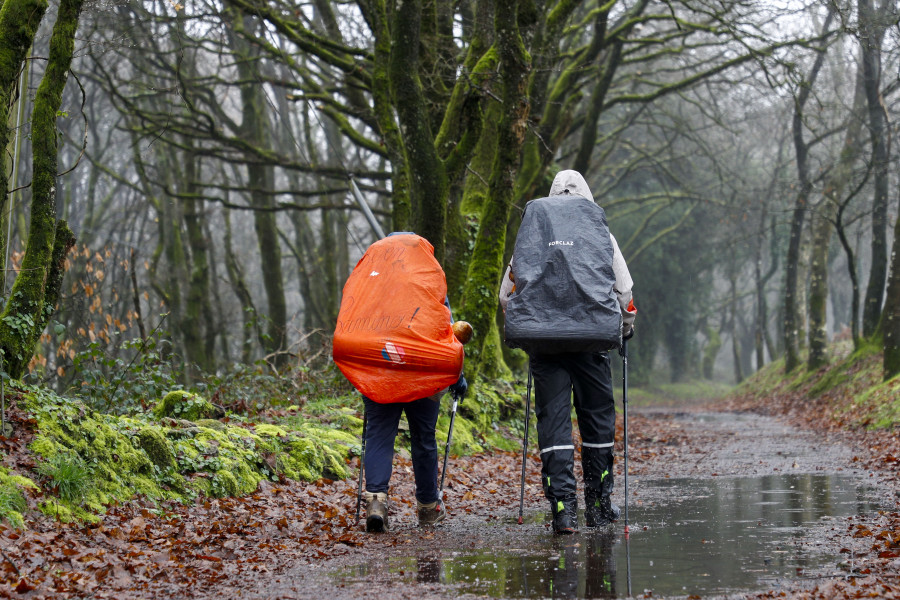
<point>375,525</point>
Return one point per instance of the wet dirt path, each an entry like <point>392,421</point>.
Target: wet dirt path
<point>699,483</point>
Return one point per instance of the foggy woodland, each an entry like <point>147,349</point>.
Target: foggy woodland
<point>181,176</point>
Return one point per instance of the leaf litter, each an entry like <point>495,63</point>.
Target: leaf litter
<point>235,546</point>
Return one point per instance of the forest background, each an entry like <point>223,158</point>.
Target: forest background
<point>184,180</point>
<point>185,191</point>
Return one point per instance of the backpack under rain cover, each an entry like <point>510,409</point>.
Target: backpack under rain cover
<point>562,263</point>
<point>393,339</point>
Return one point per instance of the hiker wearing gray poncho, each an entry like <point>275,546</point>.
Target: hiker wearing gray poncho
<point>559,374</point>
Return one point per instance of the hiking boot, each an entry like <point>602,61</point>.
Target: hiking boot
<point>600,511</point>
<point>565,516</point>
<point>431,514</point>
<point>376,512</point>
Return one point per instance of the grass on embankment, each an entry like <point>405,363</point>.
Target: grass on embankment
<point>848,392</point>
<point>675,394</point>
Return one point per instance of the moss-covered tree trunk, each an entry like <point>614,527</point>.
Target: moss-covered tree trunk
<point>891,313</point>
<point>429,187</point>
<point>486,266</point>
<point>36,288</point>
<point>383,107</point>
<point>792,330</point>
<point>19,20</point>
<point>823,228</point>
<point>734,308</point>
<point>198,320</point>
<point>871,33</point>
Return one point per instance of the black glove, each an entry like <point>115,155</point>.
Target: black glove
<point>461,386</point>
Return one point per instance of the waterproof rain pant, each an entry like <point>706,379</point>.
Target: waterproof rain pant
<point>382,423</point>
<point>586,378</point>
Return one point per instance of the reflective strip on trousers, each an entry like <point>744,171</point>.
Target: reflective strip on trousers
<point>553,448</point>
<point>586,445</point>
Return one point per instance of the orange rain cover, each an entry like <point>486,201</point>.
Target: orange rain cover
<point>393,338</point>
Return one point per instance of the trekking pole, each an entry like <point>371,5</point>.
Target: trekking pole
<point>625,418</point>
<point>525,442</point>
<point>449,437</point>
<point>362,462</point>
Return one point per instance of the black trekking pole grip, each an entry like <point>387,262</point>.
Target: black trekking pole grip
<point>625,419</point>
<point>525,443</point>
<point>449,437</point>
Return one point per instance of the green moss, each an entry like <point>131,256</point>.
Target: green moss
<point>832,378</point>
<point>184,405</point>
<point>464,435</point>
<point>201,485</point>
<point>55,509</point>
<point>308,460</point>
<point>236,478</point>
<point>348,422</point>
<point>12,500</point>
<point>175,458</point>
<point>154,443</point>
<point>268,430</point>
<point>301,461</point>
<point>884,399</point>
<point>331,437</point>
<point>7,478</point>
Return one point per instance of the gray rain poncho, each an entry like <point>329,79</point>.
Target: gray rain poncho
<point>572,287</point>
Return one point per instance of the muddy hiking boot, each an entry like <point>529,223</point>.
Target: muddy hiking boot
<point>376,512</point>
<point>432,513</point>
<point>599,510</point>
<point>565,516</point>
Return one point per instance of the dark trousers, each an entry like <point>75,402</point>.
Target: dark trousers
<point>586,377</point>
<point>381,431</point>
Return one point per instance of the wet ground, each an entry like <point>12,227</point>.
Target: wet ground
<point>718,504</point>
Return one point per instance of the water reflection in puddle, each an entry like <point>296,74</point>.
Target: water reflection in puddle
<point>694,538</point>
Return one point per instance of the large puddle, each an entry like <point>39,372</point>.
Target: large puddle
<point>688,537</point>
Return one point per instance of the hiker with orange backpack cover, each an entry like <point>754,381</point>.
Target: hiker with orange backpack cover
<point>394,341</point>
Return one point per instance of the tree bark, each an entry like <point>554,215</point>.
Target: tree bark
<point>792,327</point>
<point>19,21</point>
<point>255,128</point>
<point>735,338</point>
<point>249,316</point>
<point>428,179</point>
<point>36,288</point>
<point>822,229</point>
<point>891,316</point>
<point>824,226</point>
<point>871,32</point>
<point>199,354</point>
<point>486,267</point>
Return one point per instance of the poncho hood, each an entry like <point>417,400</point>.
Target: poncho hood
<point>571,182</point>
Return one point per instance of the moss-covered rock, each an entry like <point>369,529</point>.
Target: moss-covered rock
<point>65,513</point>
<point>185,405</point>
<point>154,443</point>
<point>212,424</point>
<point>12,500</point>
<point>270,431</point>
<point>307,460</point>
<point>166,457</point>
